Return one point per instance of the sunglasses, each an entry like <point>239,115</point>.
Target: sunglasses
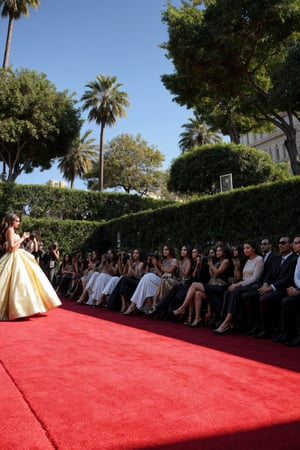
<point>264,243</point>
<point>283,242</point>
<point>296,242</point>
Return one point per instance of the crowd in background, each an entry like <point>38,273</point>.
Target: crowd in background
<point>247,287</point>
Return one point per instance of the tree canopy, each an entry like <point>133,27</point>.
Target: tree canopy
<point>131,164</point>
<point>199,170</point>
<point>235,60</point>
<point>37,123</point>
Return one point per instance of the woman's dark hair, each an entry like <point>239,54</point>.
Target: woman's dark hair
<point>189,251</point>
<point>141,253</point>
<point>64,259</point>
<point>171,250</point>
<point>253,244</point>
<point>241,255</point>
<point>239,249</point>
<point>225,249</point>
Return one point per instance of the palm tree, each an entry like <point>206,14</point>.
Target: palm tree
<point>106,103</point>
<point>79,159</point>
<point>197,133</point>
<point>14,9</point>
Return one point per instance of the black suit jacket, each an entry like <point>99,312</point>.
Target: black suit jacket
<point>281,276</point>
<point>268,265</point>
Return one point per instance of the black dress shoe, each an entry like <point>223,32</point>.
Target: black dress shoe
<point>262,335</point>
<point>294,342</point>
<point>254,330</point>
<point>279,338</point>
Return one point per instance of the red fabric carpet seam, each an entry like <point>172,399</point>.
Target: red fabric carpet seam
<point>48,434</point>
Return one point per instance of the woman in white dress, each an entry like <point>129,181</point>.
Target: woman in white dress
<point>99,280</point>
<point>149,283</point>
<point>25,289</point>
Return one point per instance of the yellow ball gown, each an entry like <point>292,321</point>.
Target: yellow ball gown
<point>25,289</point>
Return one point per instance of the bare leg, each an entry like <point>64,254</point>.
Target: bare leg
<point>124,303</point>
<point>130,309</point>
<point>189,296</point>
<point>199,296</point>
<point>208,315</point>
<point>83,296</point>
<point>100,300</point>
<point>190,316</point>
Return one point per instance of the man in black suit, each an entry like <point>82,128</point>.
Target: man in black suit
<point>291,306</point>
<point>251,299</point>
<point>273,290</point>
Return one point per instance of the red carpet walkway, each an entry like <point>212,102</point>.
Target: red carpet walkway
<point>81,378</point>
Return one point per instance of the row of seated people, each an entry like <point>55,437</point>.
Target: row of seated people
<point>254,287</point>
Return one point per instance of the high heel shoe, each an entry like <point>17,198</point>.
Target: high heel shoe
<point>196,323</point>
<point>223,330</point>
<point>152,311</point>
<point>97,304</point>
<point>188,322</point>
<point>130,310</point>
<point>178,312</point>
<point>208,320</point>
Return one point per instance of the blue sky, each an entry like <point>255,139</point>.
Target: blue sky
<point>74,41</point>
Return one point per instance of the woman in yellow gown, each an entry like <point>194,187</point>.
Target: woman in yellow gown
<point>25,289</point>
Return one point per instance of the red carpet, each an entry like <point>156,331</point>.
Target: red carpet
<point>81,378</point>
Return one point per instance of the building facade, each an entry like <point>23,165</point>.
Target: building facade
<point>271,142</point>
<point>56,183</point>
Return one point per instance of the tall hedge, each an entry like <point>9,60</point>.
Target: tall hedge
<point>268,210</point>
<point>60,203</point>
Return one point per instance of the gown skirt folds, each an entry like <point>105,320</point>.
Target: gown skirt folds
<point>25,289</point>
<point>147,287</point>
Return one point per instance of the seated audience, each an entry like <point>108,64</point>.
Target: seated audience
<point>93,263</point>
<point>64,275</point>
<point>183,275</point>
<point>106,269</point>
<point>274,287</point>
<point>251,299</point>
<point>220,270</point>
<point>149,284</point>
<point>291,306</point>
<point>199,272</point>
<point>128,283</point>
<point>252,272</point>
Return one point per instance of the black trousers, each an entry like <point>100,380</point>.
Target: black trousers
<point>270,311</point>
<point>233,300</point>
<point>250,301</point>
<point>290,309</point>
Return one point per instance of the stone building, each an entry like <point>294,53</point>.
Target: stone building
<point>271,142</point>
<point>56,183</point>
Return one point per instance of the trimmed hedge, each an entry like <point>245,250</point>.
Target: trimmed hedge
<point>269,210</point>
<point>60,203</point>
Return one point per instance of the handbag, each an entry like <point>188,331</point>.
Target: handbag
<point>215,281</point>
